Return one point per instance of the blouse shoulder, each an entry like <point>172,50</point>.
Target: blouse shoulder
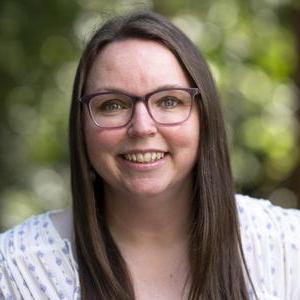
<point>262,215</point>
<point>24,237</point>
<point>271,244</point>
<point>35,263</point>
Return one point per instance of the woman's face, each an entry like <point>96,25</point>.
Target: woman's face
<point>138,67</point>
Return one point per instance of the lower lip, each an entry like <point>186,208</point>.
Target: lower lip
<point>143,166</point>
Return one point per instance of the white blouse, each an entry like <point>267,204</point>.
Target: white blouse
<point>36,263</point>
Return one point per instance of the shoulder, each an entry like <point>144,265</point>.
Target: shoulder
<point>271,245</point>
<point>32,233</point>
<point>262,215</point>
<point>35,262</point>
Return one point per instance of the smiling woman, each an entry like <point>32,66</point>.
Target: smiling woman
<point>137,133</point>
<point>154,213</point>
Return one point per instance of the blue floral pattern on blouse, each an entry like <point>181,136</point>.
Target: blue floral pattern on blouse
<point>36,263</point>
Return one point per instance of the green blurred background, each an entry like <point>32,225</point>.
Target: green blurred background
<point>253,50</point>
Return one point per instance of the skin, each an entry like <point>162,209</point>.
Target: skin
<point>148,209</point>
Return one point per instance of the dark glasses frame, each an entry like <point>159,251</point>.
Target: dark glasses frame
<point>87,98</point>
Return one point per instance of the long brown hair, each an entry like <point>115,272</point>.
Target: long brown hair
<point>216,257</point>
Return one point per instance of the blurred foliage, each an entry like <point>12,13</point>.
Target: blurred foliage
<point>251,49</point>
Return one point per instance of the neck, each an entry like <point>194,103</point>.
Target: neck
<point>160,220</point>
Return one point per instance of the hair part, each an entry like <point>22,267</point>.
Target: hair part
<point>217,264</point>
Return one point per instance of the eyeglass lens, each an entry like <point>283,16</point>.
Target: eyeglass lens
<point>165,107</point>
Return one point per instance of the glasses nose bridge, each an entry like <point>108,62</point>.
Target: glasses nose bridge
<point>136,99</point>
<point>144,99</point>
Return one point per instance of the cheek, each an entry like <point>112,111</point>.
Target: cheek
<point>187,136</point>
<point>102,144</point>
<point>184,144</point>
<point>101,150</point>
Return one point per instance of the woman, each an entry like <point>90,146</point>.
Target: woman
<point>154,213</point>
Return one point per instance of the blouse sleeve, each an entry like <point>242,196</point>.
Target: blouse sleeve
<point>288,221</point>
<point>271,244</point>
<point>8,288</point>
<point>35,263</point>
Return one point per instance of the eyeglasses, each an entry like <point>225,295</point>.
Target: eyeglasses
<point>168,106</point>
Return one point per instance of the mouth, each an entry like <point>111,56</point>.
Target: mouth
<point>145,157</point>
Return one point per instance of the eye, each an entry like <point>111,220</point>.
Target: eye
<point>113,106</point>
<point>169,102</point>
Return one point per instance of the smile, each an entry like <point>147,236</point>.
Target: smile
<point>147,157</point>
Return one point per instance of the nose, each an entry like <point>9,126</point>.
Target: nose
<point>141,124</point>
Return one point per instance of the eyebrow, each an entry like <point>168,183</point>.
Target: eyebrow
<point>119,90</point>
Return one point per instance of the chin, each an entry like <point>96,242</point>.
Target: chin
<point>147,190</point>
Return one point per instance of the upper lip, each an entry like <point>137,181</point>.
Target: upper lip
<point>142,151</point>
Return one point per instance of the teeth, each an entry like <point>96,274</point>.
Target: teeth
<point>147,157</point>
<point>140,158</point>
<point>144,157</point>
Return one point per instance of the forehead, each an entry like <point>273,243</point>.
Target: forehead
<point>136,66</point>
